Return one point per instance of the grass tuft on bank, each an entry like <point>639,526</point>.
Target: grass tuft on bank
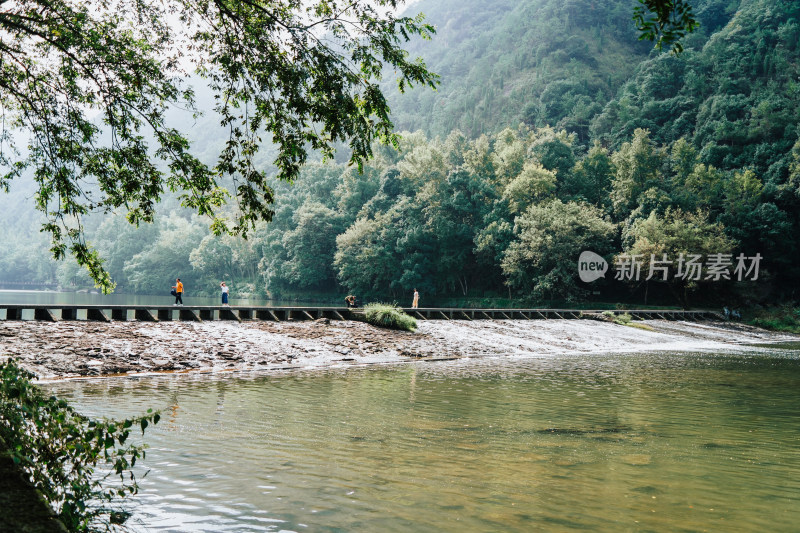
<point>389,316</point>
<point>625,319</point>
<point>784,318</point>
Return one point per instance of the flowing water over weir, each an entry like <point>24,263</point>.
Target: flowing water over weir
<point>636,441</point>
<point>81,348</point>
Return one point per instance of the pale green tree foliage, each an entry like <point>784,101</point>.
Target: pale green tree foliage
<point>743,190</point>
<point>117,241</point>
<point>532,184</point>
<point>677,234</point>
<point>493,239</point>
<point>356,189</point>
<point>224,258</point>
<point>541,261</point>
<point>553,149</point>
<point>154,270</point>
<point>682,159</point>
<point>638,168</point>
<point>365,258</point>
<point>703,187</point>
<point>310,247</point>
<point>423,164</point>
<point>792,185</point>
<point>510,153</point>
<point>478,158</point>
<point>590,180</point>
<point>389,253</point>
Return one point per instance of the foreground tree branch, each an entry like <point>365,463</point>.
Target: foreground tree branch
<point>665,22</point>
<point>91,83</point>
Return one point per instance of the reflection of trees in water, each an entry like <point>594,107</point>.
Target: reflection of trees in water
<point>220,397</point>
<point>173,411</point>
<point>412,386</point>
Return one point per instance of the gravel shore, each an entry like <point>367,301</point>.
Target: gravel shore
<point>69,349</point>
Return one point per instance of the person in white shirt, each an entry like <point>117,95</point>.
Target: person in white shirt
<point>224,294</point>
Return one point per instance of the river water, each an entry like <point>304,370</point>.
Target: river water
<point>94,298</point>
<point>607,442</point>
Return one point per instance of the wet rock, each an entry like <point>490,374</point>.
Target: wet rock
<point>66,348</point>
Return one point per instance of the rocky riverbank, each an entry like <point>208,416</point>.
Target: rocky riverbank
<point>69,349</point>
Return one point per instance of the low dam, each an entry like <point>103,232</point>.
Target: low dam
<point>168,313</point>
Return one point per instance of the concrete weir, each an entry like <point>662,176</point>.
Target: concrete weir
<point>191,313</point>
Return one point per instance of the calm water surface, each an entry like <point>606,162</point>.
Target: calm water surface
<point>656,442</point>
<point>85,298</point>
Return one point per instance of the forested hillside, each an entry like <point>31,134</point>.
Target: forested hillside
<point>554,131</point>
<point>542,62</point>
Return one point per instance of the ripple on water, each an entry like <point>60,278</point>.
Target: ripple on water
<point>602,442</point>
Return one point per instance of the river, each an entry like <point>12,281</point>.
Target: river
<point>94,298</point>
<point>604,442</point>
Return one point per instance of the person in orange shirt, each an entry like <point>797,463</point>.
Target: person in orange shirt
<point>178,292</point>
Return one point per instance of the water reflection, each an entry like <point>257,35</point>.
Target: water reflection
<point>623,442</point>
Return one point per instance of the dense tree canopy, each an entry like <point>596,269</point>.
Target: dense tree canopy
<point>648,153</point>
<point>91,84</point>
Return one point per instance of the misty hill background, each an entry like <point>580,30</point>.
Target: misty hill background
<point>550,113</point>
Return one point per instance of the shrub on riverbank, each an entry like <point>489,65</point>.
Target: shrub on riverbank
<point>389,316</point>
<point>59,450</point>
<point>784,318</point>
<point>625,319</point>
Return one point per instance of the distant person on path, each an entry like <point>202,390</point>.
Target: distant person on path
<point>415,303</point>
<point>178,292</point>
<point>350,300</point>
<point>224,294</point>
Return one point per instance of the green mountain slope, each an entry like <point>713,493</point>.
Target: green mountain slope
<point>736,98</point>
<point>542,62</point>
<point>696,154</point>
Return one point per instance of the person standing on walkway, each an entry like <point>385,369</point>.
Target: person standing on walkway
<point>178,292</point>
<point>415,303</point>
<point>224,294</point>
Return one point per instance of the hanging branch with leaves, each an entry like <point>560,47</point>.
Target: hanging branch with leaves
<point>91,83</point>
<point>665,21</point>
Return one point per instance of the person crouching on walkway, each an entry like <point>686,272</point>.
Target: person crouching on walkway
<point>224,294</point>
<point>178,292</point>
